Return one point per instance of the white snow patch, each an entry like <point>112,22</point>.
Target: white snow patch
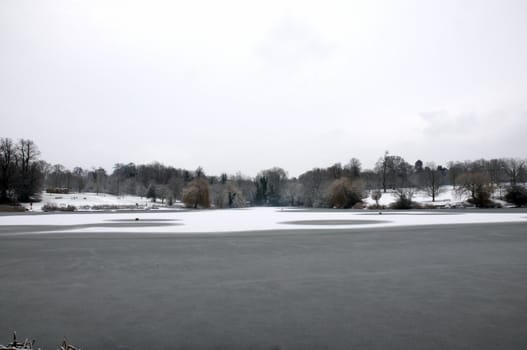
<point>448,198</point>
<point>87,201</point>
<point>254,219</point>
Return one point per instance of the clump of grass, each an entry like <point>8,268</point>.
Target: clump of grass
<point>375,206</point>
<point>12,208</point>
<point>53,207</point>
<point>113,207</point>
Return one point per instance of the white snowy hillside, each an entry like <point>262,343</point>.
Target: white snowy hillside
<point>93,201</point>
<point>447,198</point>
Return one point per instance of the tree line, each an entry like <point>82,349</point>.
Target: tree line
<point>23,175</point>
<point>21,171</point>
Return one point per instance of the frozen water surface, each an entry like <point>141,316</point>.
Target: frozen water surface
<point>252,219</point>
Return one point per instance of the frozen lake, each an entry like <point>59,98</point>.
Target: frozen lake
<point>446,286</point>
<point>251,219</point>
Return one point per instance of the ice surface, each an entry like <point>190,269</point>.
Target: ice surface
<point>253,219</point>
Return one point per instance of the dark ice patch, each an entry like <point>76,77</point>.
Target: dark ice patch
<point>334,222</point>
<point>142,220</point>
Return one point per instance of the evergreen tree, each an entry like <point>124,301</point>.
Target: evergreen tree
<point>151,192</point>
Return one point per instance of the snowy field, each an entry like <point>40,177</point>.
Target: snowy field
<point>252,219</point>
<point>90,201</point>
<point>447,198</point>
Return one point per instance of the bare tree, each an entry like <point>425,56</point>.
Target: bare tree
<point>418,166</point>
<point>246,185</point>
<point>355,167</point>
<point>336,171</point>
<point>29,175</point>
<point>7,168</point>
<point>394,172</point>
<point>79,178</point>
<point>151,193</point>
<point>227,195</point>
<point>294,193</point>
<point>496,171</point>
<point>370,179</point>
<point>98,177</point>
<point>199,172</point>
<point>57,176</point>
<point>163,193</point>
<point>432,180</point>
<point>382,168</point>
<point>175,184</point>
<point>515,170</point>
<point>312,182</point>
<point>455,170</point>
<point>478,186</point>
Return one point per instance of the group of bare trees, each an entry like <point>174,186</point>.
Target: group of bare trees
<point>338,185</point>
<point>480,179</point>
<point>156,182</point>
<point>20,170</point>
<point>23,175</point>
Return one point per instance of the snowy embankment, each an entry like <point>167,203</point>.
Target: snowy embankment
<point>253,219</point>
<point>448,197</point>
<point>95,201</point>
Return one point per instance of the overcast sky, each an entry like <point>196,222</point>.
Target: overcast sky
<point>247,85</point>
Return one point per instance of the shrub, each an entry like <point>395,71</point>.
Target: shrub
<point>516,195</point>
<point>376,196</point>
<point>58,190</point>
<point>343,194</point>
<point>111,207</point>
<point>359,205</point>
<point>196,194</point>
<point>53,207</point>
<point>481,199</point>
<point>479,187</point>
<point>11,208</point>
<point>404,199</point>
<point>402,203</point>
<point>374,206</point>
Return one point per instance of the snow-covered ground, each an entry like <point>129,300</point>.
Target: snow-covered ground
<point>447,198</point>
<point>251,219</point>
<point>237,220</point>
<point>92,201</point>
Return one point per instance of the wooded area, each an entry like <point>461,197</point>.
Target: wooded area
<point>23,175</point>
